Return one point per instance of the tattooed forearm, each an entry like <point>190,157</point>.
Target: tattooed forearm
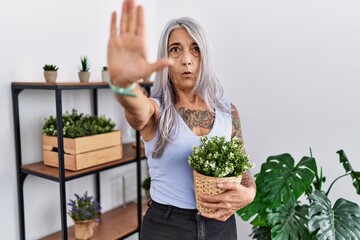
<point>197,118</point>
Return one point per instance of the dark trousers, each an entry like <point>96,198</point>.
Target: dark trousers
<point>165,222</point>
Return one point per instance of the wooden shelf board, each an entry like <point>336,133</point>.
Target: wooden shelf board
<point>114,224</point>
<point>129,155</point>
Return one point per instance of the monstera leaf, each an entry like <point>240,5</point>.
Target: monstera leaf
<point>354,175</point>
<point>340,223</point>
<point>258,208</point>
<point>261,233</point>
<point>289,221</point>
<point>279,179</point>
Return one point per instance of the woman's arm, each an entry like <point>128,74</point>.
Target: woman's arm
<point>127,63</point>
<point>236,195</point>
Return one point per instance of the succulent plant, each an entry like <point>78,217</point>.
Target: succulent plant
<point>50,67</point>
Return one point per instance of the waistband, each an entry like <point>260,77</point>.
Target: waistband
<point>167,209</point>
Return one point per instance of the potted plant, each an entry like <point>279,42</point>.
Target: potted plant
<point>105,74</point>
<point>84,74</point>
<point>85,212</point>
<point>50,72</point>
<point>217,160</point>
<point>88,140</point>
<point>278,213</point>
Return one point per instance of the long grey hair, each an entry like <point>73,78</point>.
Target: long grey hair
<point>207,86</point>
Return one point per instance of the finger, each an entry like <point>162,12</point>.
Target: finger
<point>165,62</point>
<point>140,22</point>
<point>113,25</point>
<point>131,16</point>
<point>228,185</point>
<point>124,17</point>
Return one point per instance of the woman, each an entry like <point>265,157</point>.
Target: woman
<point>186,104</point>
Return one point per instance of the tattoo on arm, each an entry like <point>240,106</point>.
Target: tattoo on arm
<point>236,126</point>
<point>247,180</point>
<point>197,118</point>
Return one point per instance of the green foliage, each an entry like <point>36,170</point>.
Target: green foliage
<point>340,222</point>
<point>277,207</point>
<point>50,67</point>
<point>85,64</point>
<point>217,157</point>
<point>146,183</point>
<point>84,208</point>
<point>78,125</point>
<point>261,233</point>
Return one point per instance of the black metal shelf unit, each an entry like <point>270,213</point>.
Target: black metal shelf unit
<point>23,170</point>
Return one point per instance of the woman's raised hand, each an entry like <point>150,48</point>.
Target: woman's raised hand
<point>127,56</point>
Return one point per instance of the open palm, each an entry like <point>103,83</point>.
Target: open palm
<point>127,56</point>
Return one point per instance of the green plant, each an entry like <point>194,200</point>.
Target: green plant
<point>50,67</point>
<point>146,184</point>
<point>217,157</point>
<point>84,208</point>
<point>278,213</point>
<point>85,64</point>
<point>78,125</point>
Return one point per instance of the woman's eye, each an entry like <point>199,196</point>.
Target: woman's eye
<point>175,49</point>
<point>196,49</point>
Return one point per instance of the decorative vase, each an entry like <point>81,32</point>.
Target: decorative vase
<point>85,229</point>
<point>208,186</point>
<point>50,76</point>
<point>105,76</point>
<point>84,76</point>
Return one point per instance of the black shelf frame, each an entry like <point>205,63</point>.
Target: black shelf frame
<point>16,89</point>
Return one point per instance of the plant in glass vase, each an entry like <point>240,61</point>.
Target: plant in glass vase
<point>217,160</point>
<point>85,212</point>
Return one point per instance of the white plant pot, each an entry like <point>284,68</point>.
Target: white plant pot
<point>50,76</point>
<point>84,76</point>
<point>105,76</point>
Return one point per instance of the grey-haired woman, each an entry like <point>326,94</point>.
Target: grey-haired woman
<point>186,103</point>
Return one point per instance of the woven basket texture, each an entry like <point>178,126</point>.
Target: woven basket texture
<point>208,186</point>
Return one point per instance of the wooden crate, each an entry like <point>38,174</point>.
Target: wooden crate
<point>83,152</point>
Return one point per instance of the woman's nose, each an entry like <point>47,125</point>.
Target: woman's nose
<point>186,59</point>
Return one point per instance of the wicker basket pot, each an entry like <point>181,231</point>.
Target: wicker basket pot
<point>208,186</point>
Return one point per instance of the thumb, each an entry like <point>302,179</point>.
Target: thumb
<point>162,63</point>
<point>227,185</point>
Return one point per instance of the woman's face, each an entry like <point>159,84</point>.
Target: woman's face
<point>186,56</point>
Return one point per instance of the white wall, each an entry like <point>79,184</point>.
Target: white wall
<point>291,68</point>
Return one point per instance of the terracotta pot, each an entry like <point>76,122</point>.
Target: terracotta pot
<point>84,76</point>
<point>84,229</point>
<point>50,76</point>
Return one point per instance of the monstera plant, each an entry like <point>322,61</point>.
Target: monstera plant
<point>278,211</point>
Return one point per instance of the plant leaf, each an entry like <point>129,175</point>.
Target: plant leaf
<point>289,221</point>
<point>340,223</point>
<point>354,175</point>
<point>258,208</point>
<point>279,179</point>
<point>261,233</point>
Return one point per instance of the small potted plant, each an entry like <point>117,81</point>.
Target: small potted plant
<point>217,160</point>
<point>146,186</point>
<point>105,74</point>
<point>85,212</point>
<point>84,73</point>
<point>50,72</point>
